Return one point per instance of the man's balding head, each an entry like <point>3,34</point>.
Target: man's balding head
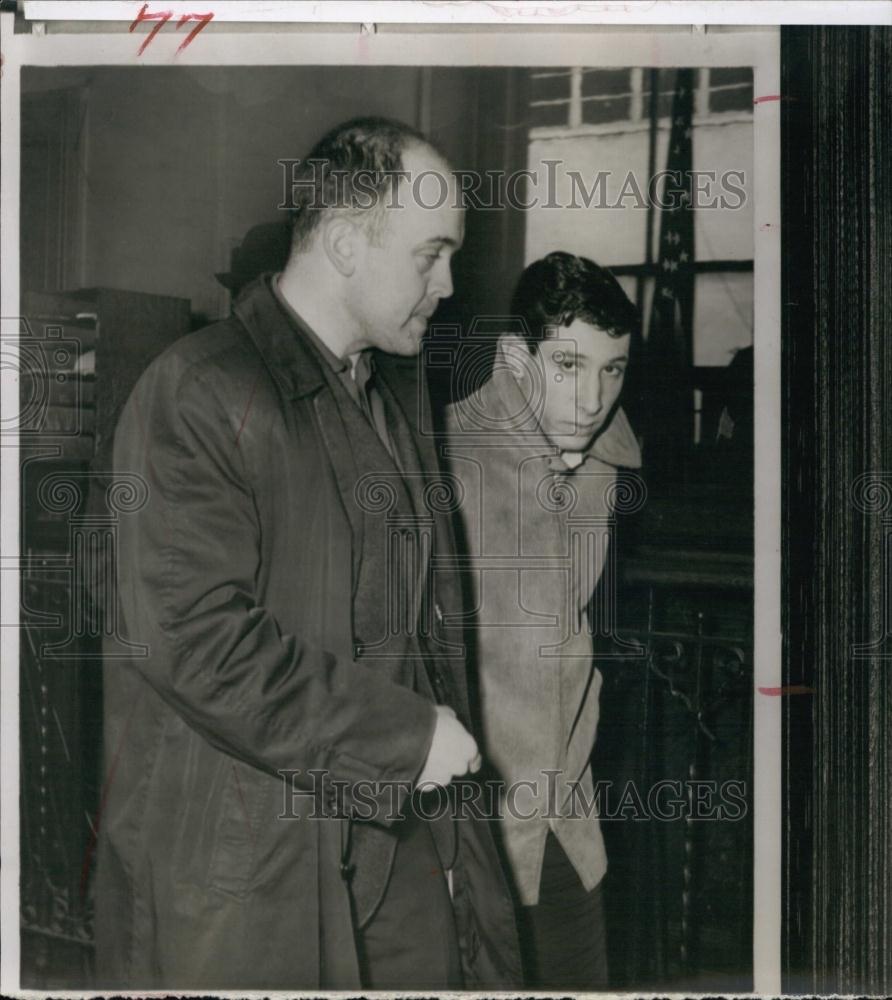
<point>355,168</point>
<point>378,220</point>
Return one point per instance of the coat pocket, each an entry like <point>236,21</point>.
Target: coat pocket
<point>239,829</point>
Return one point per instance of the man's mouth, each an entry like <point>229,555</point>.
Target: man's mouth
<point>421,319</point>
<point>425,312</point>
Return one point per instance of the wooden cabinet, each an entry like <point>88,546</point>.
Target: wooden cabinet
<point>79,355</point>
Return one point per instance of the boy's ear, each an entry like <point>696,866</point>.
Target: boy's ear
<point>517,355</point>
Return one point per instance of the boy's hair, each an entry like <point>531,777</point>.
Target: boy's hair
<point>561,288</point>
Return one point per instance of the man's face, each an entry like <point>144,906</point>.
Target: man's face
<point>403,272</point>
<point>581,373</point>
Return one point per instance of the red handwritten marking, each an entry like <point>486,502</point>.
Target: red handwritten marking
<point>203,19</point>
<point>788,689</point>
<point>774,97</point>
<point>91,846</point>
<point>161,16</point>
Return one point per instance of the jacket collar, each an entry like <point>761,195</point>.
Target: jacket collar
<point>276,333</point>
<point>615,445</point>
<point>291,362</point>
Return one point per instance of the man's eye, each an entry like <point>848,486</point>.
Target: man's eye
<point>429,259</point>
<point>568,365</point>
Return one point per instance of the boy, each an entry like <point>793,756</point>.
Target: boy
<point>536,451</point>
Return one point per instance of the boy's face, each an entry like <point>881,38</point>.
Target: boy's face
<point>581,373</point>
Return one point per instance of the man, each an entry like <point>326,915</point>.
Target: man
<point>536,450</point>
<point>285,634</point>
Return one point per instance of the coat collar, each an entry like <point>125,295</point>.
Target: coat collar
<point>295,366</point>
<point>291,362</point>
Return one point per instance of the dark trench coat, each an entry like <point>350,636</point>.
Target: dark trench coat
<point>236,575</point>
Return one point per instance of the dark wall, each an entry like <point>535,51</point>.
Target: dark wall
<point>167,168</point>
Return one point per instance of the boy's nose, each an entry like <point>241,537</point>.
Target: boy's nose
<point>590,403</point>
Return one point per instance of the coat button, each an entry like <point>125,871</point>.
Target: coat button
<point>439,685</point>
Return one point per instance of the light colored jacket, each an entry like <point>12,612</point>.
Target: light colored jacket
<point>537,534</point>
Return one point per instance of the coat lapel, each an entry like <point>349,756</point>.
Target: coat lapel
<point>298,371</point>
<point>398,385</point>
<point>406,389</point>
<point>340,454</point>
<point>350,442</point>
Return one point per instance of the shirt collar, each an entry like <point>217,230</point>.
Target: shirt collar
<point>363,368</point>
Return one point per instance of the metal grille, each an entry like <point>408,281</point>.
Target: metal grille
<point>679,718</point>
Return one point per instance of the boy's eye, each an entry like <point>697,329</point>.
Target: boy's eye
<point>564,361</point>
<point>617,371</point>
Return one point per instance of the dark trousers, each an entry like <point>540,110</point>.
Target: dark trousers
<point>411,941</point>
<point>562,937</point>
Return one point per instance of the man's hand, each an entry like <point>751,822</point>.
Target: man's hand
<point>453,751</point>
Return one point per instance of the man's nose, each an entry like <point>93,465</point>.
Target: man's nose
<point>441,280</point>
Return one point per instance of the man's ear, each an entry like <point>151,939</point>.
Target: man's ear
<point>340,240</point>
